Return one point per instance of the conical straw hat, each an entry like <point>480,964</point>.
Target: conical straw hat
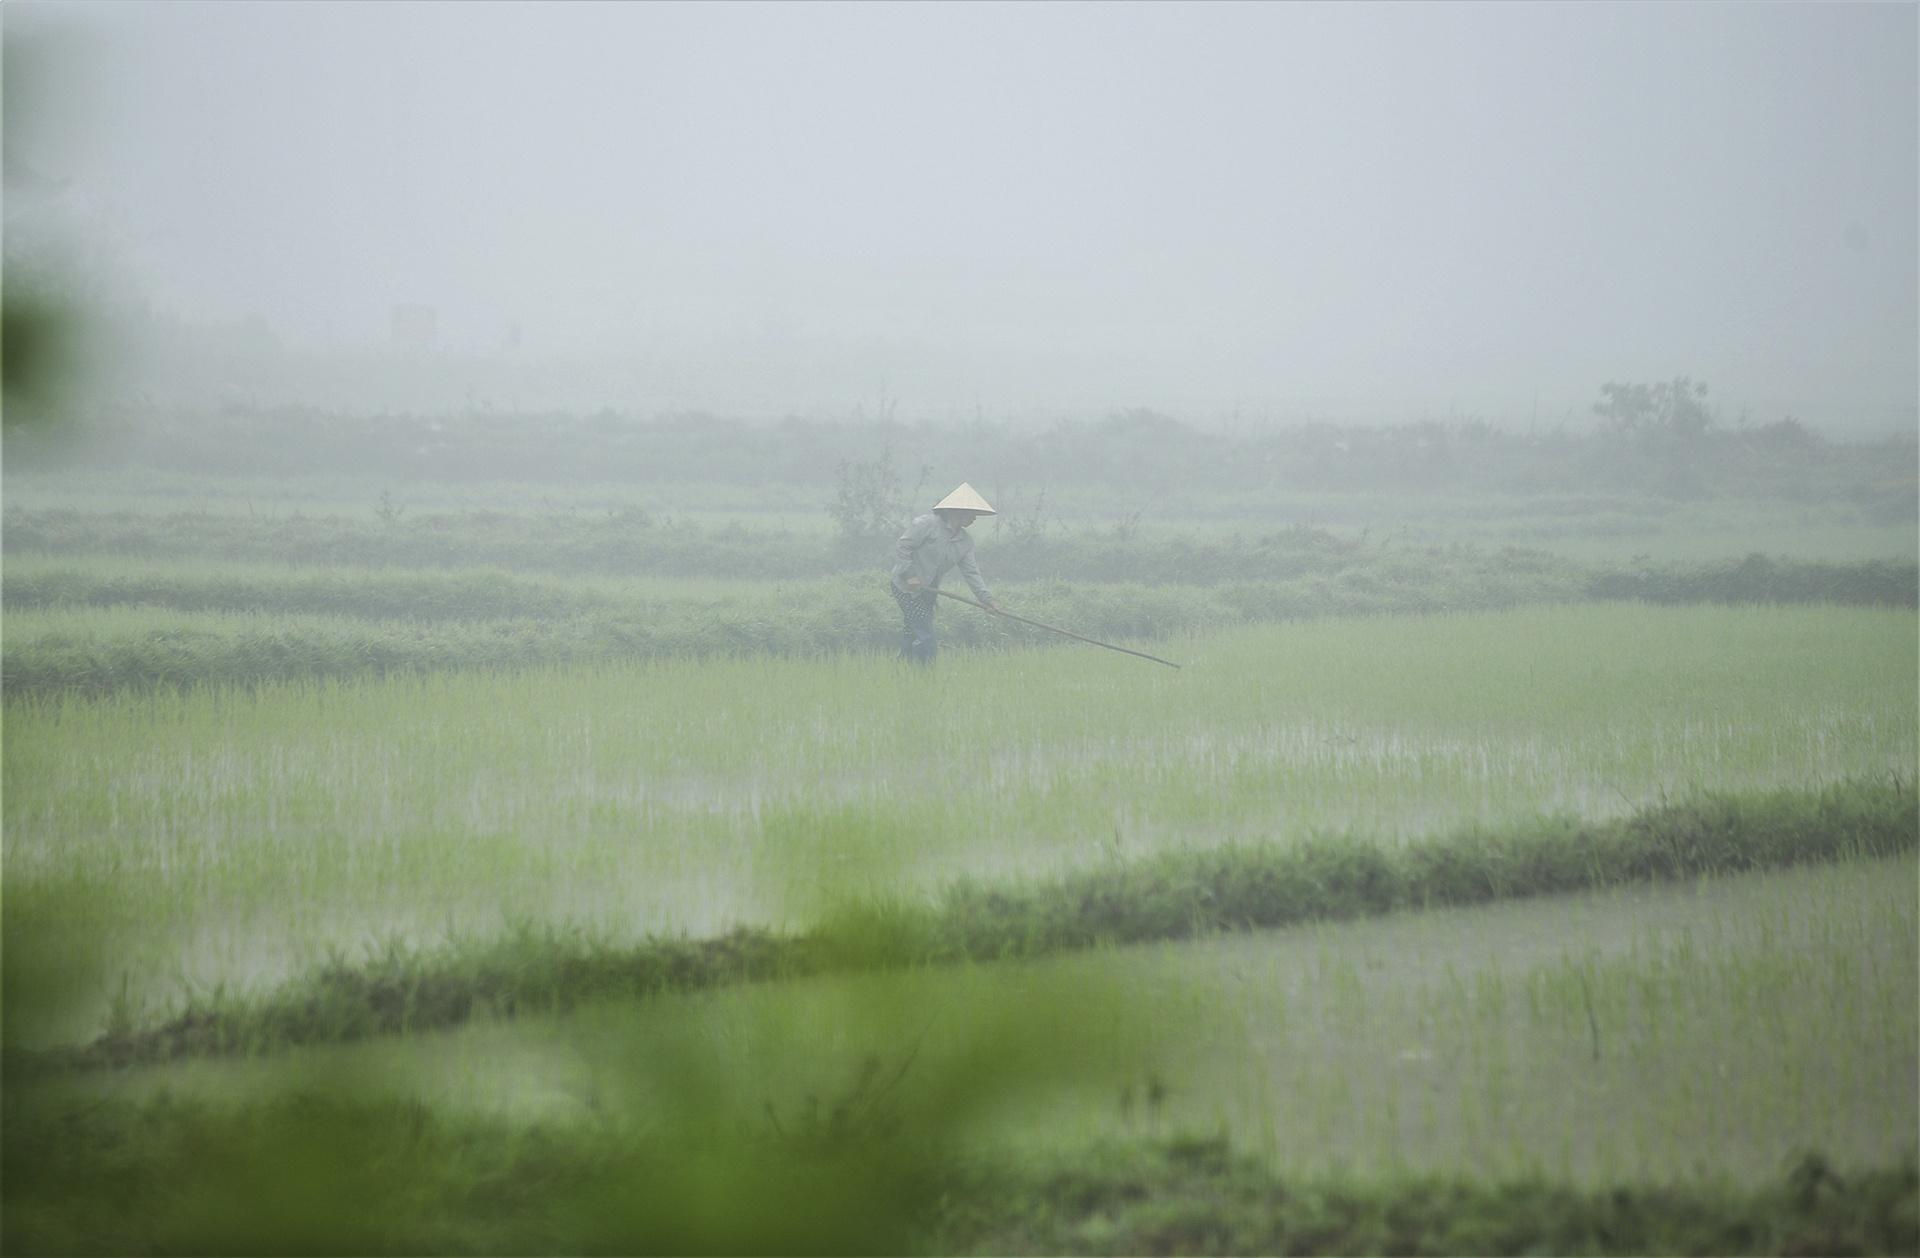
<point>965,499</point>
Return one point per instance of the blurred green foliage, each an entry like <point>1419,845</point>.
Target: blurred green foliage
<point>42,311</point>
<point>38,352</point>
<point>699,1137</point>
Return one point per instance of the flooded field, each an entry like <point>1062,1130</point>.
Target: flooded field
<point>1710,1030</point>
<point>234,837</point>
<point>1427,761</point>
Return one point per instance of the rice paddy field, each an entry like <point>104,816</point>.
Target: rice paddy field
<point>1449,927</point>
<point>1591,525</point>
<point>233,837</point>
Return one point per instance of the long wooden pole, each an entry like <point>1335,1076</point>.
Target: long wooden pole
<point>1050,628</point>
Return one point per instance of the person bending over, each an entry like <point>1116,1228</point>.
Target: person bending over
<point>932,544</point>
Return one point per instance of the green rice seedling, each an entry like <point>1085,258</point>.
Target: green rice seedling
<point>231,836</point>
<point>1705,1034</point>
<point>1665,1032</point>
<point>1191,894</point>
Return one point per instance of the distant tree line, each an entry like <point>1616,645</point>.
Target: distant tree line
<point>1660,439</point>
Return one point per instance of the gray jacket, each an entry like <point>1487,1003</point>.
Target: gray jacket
<point>928,548</point>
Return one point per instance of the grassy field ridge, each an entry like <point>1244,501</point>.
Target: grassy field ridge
<point>76,631</point>
<point>1171,896</point>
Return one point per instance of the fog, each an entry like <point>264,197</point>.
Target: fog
<point>1289,211</point>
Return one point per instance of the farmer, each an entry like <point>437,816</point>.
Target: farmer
<point>932,544</point>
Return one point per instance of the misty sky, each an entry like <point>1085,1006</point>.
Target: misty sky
<point>1121,204</point>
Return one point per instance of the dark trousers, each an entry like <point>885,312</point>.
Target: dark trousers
<point>917,642</point>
